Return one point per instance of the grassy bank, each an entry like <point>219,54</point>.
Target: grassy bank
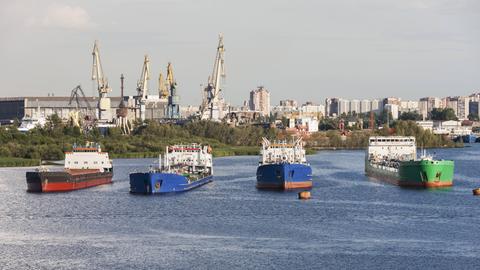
<point>18,162</point>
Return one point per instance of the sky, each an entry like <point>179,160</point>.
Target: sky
<point>303,50</point>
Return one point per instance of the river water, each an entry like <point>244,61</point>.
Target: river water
<point>351,222</point>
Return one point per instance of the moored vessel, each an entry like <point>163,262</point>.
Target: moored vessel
<point>85,166</point>
<point>182,168</point>
<point>394,159</point>
<point>283,166</point>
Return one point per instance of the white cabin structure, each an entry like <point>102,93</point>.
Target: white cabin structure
<point>192,158</point>
<point>89,157</point>
<point>392,148</point>
<point>282,152</point>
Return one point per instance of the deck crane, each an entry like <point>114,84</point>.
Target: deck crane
<point>88,118</point>
<point>142,87</point>
<point>212,104</point>
<point>104,106</point>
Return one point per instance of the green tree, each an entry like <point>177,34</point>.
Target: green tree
<point>443,114</point>
<point>414,116</point>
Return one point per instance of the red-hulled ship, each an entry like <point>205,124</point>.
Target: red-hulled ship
<point>84,167</point>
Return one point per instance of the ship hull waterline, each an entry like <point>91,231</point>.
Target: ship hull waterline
<point>285,176</point>
<point>162,183</point>
<point>415,174</point>
<point>38,182</point>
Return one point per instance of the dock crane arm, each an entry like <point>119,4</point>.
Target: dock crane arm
<point>142,84</point>
<point>97,73</point>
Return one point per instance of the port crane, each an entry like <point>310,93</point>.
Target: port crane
<point>104,106</point>
<point>173,107</point>
<point>162,88</point>
<point>88,119</point>
<point>212,104</point>
<point>142,87</point>
<point>142,84</point>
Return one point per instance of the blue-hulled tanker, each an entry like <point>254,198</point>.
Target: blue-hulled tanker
<point>283,166</point>
<point>182,168</point>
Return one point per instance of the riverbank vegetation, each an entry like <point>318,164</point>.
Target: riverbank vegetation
<point>18,162</point>
<point>358,139</point>
<point>147,140</point>
<point>150,138</point>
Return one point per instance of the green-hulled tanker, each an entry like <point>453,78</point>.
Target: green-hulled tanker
<point>394,159</point>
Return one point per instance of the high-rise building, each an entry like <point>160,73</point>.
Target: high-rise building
<point>365,106</point>
<point>376,105</point>
<point>452,103</point>
<point>343,106</point>
<point>409,106</point>
<point>391,100</point>
<point>427,104</point>
<point>460,106</point>
<point>331,107</point>
<point>288,103</point>
<point>392,108</point>
<point>260,100</point>
<point>354,106</point>
<point>463,107</point>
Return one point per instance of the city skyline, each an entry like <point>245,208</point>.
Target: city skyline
<point>410,49</point>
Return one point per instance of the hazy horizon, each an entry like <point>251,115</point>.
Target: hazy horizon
<point>302,50</point>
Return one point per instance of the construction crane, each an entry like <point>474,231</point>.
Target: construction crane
<point>78,95</point>
<point>212,104</point>
<point>104,107</point>
<point>173,107</point>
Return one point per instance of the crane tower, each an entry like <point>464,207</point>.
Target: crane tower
<point>212,107</point>
<point>142,87</point>
<point>173,107</point>
<point>104,107</point>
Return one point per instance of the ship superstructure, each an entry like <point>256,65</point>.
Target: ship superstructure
<point>282,152</point>
<point>90,157</point>
<point>283,165</point>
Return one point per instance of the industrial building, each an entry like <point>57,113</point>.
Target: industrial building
<point>12,108</point>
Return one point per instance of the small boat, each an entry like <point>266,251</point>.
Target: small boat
<point>283,166</point>
<point>29,123</point>
<point>85,166</point>
<point>183,167</point>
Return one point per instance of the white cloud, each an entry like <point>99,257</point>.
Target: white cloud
<point>65,16</point>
